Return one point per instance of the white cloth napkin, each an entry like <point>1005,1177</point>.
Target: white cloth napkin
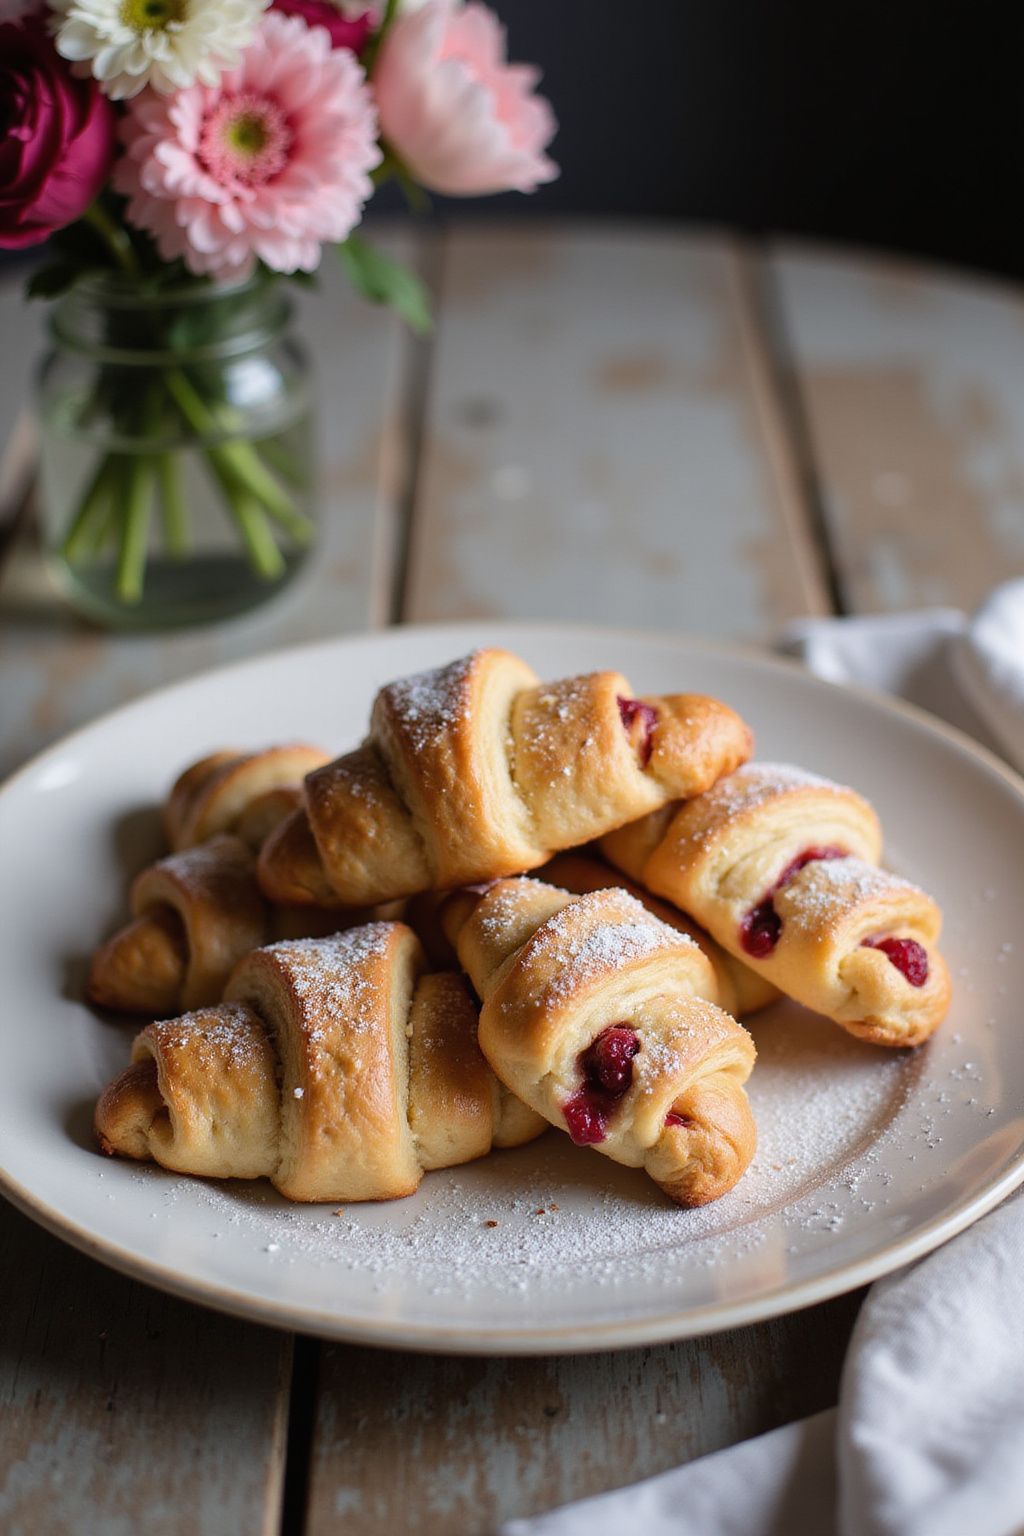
<point>928,1437</point>
<point>969,671</point>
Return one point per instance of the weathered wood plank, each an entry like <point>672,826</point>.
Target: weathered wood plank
<point>601,441</point>
<point>127,1411</point>
<point>450,1447</point>
<point>913,387</point>
<point>58,672</point>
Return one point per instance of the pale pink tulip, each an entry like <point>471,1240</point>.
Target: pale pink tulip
<point>456,113</point>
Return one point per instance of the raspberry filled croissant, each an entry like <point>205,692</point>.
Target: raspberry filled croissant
<point>740,990</point>
<point>781,867</point>
<point>335,1067</point>
<point>477,770</point>
<point>594,1013</point>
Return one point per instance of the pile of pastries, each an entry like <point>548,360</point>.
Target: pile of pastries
<point>353,981</point>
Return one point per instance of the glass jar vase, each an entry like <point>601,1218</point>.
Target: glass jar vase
<point>176,482</point>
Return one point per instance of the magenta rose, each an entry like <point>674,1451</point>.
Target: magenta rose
<point>321,13</point>
<point>57,137</point>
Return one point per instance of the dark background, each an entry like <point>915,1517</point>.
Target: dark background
<point>898,124</point>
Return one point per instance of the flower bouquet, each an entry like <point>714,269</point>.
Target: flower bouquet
<point>180,157</point>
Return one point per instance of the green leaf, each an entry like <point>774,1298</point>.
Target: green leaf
<point>55,278</point>
<point>384,281</point>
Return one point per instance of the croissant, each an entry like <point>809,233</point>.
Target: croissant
<point>477,770</point>
<point>244,793</point>
<point>780,866</point>
<point>594,1013</point>
<point>335,1067</point>
<point>739,989</point>
<point>196,913</point>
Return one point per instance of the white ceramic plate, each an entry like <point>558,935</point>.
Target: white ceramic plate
<point>867,1159</point>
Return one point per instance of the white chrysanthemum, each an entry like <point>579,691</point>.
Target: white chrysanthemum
<point>168,44</point>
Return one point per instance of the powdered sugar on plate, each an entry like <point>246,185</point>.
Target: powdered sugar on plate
<point>835,1117</point>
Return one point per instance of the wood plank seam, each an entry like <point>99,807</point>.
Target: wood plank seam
<point>787,430</point>
<point>417,363</point>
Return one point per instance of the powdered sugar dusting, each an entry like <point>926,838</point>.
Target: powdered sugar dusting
<point>431,704</point>
<point>544,1217</point>
<point>607,945</point>
<point>827,889</point>
<point>231,1031</point>
<point>755,784</point>
<point>331,979</point>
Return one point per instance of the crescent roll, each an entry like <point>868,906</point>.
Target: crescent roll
<point>741,991</point>
<point>246,793</point>
<point>594,1013</point>
<point>477,770</point>
<point>781,867</point>
<point>335,1067</point>
<point>194,915</point>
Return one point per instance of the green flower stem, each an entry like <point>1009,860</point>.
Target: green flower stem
<point>237,461</point>
<point>372,49</point>
<point>264,556</point>
<point>286,464</point>
<point>140,481</point>
<point>172,505</point>
<point>108,525</point>
<point>114,237</point>
<point>251,521</point>
<point>90,518</point>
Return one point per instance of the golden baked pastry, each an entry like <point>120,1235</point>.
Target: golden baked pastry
<point>335,1067</point>
<point>246,793</point>
<point>780,866</point>
<point>741,990</point>
<point>194,915</point>
<point>594,1013</point>
<point>199,910</point>
<point>477,770</point>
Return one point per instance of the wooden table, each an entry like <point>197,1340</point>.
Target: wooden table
<point>638,426</point>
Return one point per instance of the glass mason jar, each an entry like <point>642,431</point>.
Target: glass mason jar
<point>176,481</point>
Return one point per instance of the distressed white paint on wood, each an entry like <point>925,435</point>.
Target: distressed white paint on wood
<point>57,672</point>
<point>451,1447</point>
<point>595,443</point>
<point>913,386</point>
<point>125,1412</point>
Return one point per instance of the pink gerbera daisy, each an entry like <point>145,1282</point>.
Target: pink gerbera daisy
<point>268,164</point>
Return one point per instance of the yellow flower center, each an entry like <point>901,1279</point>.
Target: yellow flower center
<point>246,134</point>
<point>152,15</point>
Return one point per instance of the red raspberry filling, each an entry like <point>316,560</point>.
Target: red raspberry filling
<point>675,1118</point>
<point>638,721</point>
<point>762,925</point>
<point>908,956</point>
<point>607,1067</point>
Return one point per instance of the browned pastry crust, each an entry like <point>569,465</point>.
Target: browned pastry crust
<point>477,770</point>
<point>200,910</point>
<point>196,913</point>
<point>246,793</point>
<point>559,976</point>
<point>335,1067</point>
<point>764,847</point>
<point>741,990</point>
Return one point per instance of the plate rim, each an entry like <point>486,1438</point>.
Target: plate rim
<point>590,1337</point>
